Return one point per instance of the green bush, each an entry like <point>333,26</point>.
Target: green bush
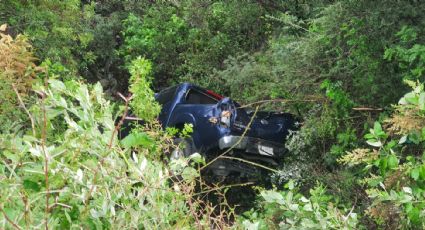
<point>187,41</point>
<point>291,210</point>
<point>72,172</point>
<point>143,102</point>
<point>395,164</point>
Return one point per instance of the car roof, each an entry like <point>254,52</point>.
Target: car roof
<point>183,85</point>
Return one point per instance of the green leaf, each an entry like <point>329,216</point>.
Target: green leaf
<point>414,137</point>
<point>402,101</point>
<point>383,164</point>
<point>31,185</point>
<point>136,140</point>
<point>57,85</point>
<point>422,172</point>
<point>391,144</point>
<point>369,136</point>
<point>197,158</point>
<point>272,197</point>
<point>377,128</point>
<point>392,161</point>
<point>290,185</point>
<point>414,215</point>
<point>415,173</point>
<point>189,174</point>
<point>422,101</point>
<point>411,98</point>
<point>410,159</point>
<point>423,133</point>
<point>374,143</point>
<point>251,225</point>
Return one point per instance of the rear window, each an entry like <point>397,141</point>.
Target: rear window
<point>166,95</point>
<point>196,97</point>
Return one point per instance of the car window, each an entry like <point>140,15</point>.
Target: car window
<point>196,97</point>
<point>166,95</point>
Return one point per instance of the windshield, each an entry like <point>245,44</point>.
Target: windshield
<point>166,95</point>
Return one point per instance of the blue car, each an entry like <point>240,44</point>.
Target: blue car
<point>220,124</point>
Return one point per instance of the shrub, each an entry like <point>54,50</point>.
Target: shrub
<point>81,176</point>
<point>395,164</point>
<point>291,210</point>
<point>17,71</point>
<point>143,103</point>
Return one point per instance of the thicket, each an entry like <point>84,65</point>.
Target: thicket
<point>342,66</point>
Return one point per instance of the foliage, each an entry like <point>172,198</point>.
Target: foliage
<point>339,97</point>
<point>143,104</point>
<point>291,210</point>
<point>57,29</point>
<point>84,177</point>
<point>17,71</point>
<point>395,164</point>
<point>411,59</point>
<point>337,64</point>
<point>252,73</point>
<point>187,41</point>
<point>159,42</point>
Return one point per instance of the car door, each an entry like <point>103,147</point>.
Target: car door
<point>197,108</point>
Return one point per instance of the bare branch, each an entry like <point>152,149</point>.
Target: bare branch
<point>9,220</point>
<point>367,109</point>
<point>278,100</point>
<point>26,110</point>
<point>46,157</point>
<point>123,117</point>
<point>250,162</point>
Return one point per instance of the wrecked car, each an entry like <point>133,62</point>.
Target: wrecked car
<point>220,124</point>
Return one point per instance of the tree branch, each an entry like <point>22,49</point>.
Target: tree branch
<point>25,108</point>
<point>9,220</point>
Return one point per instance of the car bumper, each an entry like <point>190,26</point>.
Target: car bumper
<point>253,145</point>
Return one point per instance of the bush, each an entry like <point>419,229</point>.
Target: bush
<point>395,164</point>
<point>75,173</point>
<point>143,103</point>
<point>17,71</point>
<point>291,210</point>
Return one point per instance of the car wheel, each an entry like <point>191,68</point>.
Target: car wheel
<point>184,148</point>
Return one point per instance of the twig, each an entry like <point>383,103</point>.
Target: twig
<point>192,209</point>
<point>117,127</point>
<point>46,158</point>
<point>26,209</point>
<point>367,109</point>
<point>9,220</point>
<point>133,118</point>
<point>25,108</point>
<point>59,204</point>
<point>276,100</point>
<point>250,162</point>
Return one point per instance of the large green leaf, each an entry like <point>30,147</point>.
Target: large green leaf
<point>136,140</point>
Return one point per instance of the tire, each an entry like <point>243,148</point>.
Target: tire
<point>184,148</point>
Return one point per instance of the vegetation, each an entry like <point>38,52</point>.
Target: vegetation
<point>354,71</point>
